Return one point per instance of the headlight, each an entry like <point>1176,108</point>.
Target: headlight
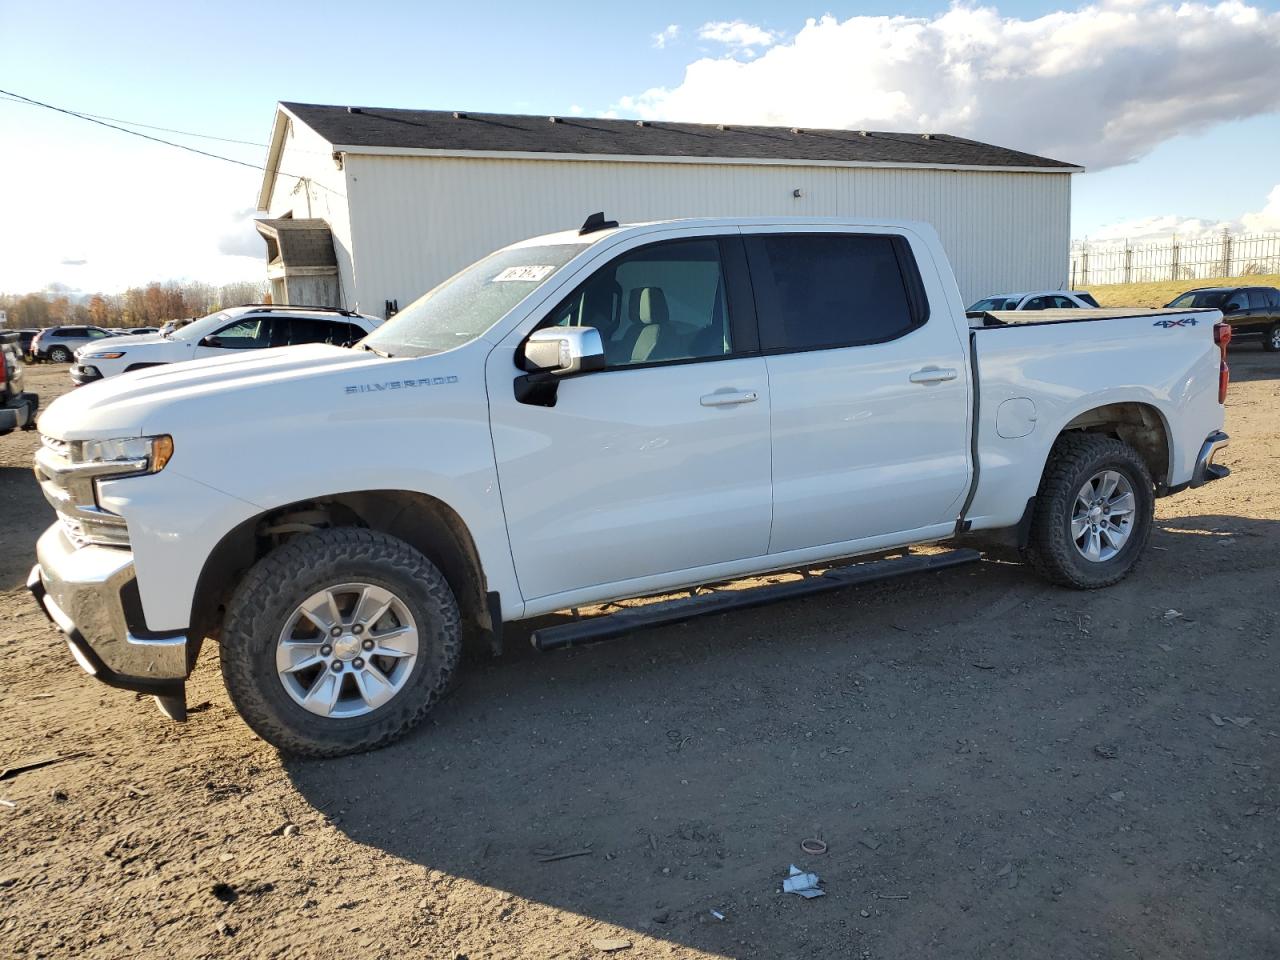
<point>101,356</point>
<point>151,453</point>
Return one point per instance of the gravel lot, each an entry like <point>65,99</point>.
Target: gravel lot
<point>1000,769</point>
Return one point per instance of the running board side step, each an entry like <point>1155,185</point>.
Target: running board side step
<point>612,625</point>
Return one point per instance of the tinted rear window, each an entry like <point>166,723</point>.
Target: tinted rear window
<point>816,291</point>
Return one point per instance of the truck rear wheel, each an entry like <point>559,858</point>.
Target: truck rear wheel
<point>1093,512</point>
<point>340,641</point>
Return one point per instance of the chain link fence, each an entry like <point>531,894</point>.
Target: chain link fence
<point>1222,255</point>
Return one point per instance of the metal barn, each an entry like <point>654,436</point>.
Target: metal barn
<point>367,208</point>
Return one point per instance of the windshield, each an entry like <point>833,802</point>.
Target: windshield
<point>996,303</point>
<point>470,302</point>
<point>1201,298</point>
<point>199,329</point>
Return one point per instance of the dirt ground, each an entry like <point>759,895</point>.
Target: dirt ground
<point>1000,769</point>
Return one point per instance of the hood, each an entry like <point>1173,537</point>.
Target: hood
<point>123,406</point>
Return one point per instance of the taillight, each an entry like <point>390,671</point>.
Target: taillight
<point>1222,337</point>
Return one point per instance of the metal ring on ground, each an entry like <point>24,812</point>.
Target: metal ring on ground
<point>813,846</point>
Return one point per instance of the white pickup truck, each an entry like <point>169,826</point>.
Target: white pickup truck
<point>589,416</point>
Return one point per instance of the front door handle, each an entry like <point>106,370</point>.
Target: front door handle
<point>729,398</point>
<point>934,375</point>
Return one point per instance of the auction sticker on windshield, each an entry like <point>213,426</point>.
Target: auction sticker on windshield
<point>529,274</point>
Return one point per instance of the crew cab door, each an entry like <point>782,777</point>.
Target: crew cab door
<point>868,385</point>
<point>659,462</point>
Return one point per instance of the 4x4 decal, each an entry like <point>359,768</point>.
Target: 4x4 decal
<point>1180,322</point>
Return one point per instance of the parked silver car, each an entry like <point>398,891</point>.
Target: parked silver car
<point>59,344</point>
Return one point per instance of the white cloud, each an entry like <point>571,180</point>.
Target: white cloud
<point>1268,218</point>
<point>1099,85</point>
<point>1162,227</point>
<point>576,110</point>
<point>240,238</point>
<point>666,35</point>
<point>737,35</point>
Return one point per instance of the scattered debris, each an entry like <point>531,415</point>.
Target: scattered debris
<point>864,912</point>
<point>1217,720</point>
<point>1172,614</point>
<point>718,915</point>
<point>1107,751</point>
<point>611,944</point>
<point>1165,647</point>
<point>1241,721</point>
<point>804,884</point>
<point>893,896</point>
<point>291,830</point>
<point>871,843</point>
<point>1009,873</point>
<point>59,795</point>
<point>983,665</point>
<point>8,803</point>
<point>134,790</point>
<point>1118,796</point>
<point>814,846</point>
<point>22,766</point>
<point>585,852</point>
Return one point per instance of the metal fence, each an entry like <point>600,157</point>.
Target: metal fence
<point>1222,255</point>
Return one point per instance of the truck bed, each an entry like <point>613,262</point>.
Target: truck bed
<point>1027,318</point>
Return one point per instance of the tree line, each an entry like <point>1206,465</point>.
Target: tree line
<point>146,306</point>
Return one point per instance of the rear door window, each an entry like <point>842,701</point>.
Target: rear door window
<point>1065,303</point>
<point>1037,303</point>
<point>822,291</point>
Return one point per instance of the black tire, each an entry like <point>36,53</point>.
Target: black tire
<point>1051,550</point>
<point>271,591</point>
<point>60,355</point>
<point>1271,339</point>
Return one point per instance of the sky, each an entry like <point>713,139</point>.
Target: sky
<point>1174,109</point>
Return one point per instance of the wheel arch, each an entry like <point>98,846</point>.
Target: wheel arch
<point>1141,425</point>
<point>426,523</point>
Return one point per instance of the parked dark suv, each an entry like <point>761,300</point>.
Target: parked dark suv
<point>1251,311</point>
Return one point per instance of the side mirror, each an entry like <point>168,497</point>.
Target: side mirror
<point>563,351</point>
<point>211,341</point>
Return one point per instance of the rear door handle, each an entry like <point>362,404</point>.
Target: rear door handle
<point>729,398</point>
<point>934,375</point>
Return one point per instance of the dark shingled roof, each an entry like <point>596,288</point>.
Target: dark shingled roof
<point>445,130</point>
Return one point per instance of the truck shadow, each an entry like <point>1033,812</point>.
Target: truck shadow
<point>911,724</point>
<point>1249,362</point>
<point>24,514</point>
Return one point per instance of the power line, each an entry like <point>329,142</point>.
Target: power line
<point>14,98</point>
<point>144,136</point>
<point>102,122</point>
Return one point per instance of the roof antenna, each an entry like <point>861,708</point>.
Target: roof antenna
<point>596,222</point>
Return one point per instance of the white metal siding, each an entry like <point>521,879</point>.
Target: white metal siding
<point>416,220</point>
<point>310,184</point>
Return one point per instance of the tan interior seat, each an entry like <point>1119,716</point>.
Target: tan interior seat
<point>649,324</point>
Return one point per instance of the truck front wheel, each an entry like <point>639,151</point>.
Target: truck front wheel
<point>339,641</point>
<point>1093,512</point>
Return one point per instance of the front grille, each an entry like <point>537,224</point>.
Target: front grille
<point>69,488</point>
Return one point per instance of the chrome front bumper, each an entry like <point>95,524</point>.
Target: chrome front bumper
<point>91,595</point>
<point>1205,469</point>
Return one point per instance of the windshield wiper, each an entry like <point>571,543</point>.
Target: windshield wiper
<point>365,346</point>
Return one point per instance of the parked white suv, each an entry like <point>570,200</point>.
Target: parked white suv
<point>252,327</point>
<point>590,416</point>
<point>1037,300</point>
